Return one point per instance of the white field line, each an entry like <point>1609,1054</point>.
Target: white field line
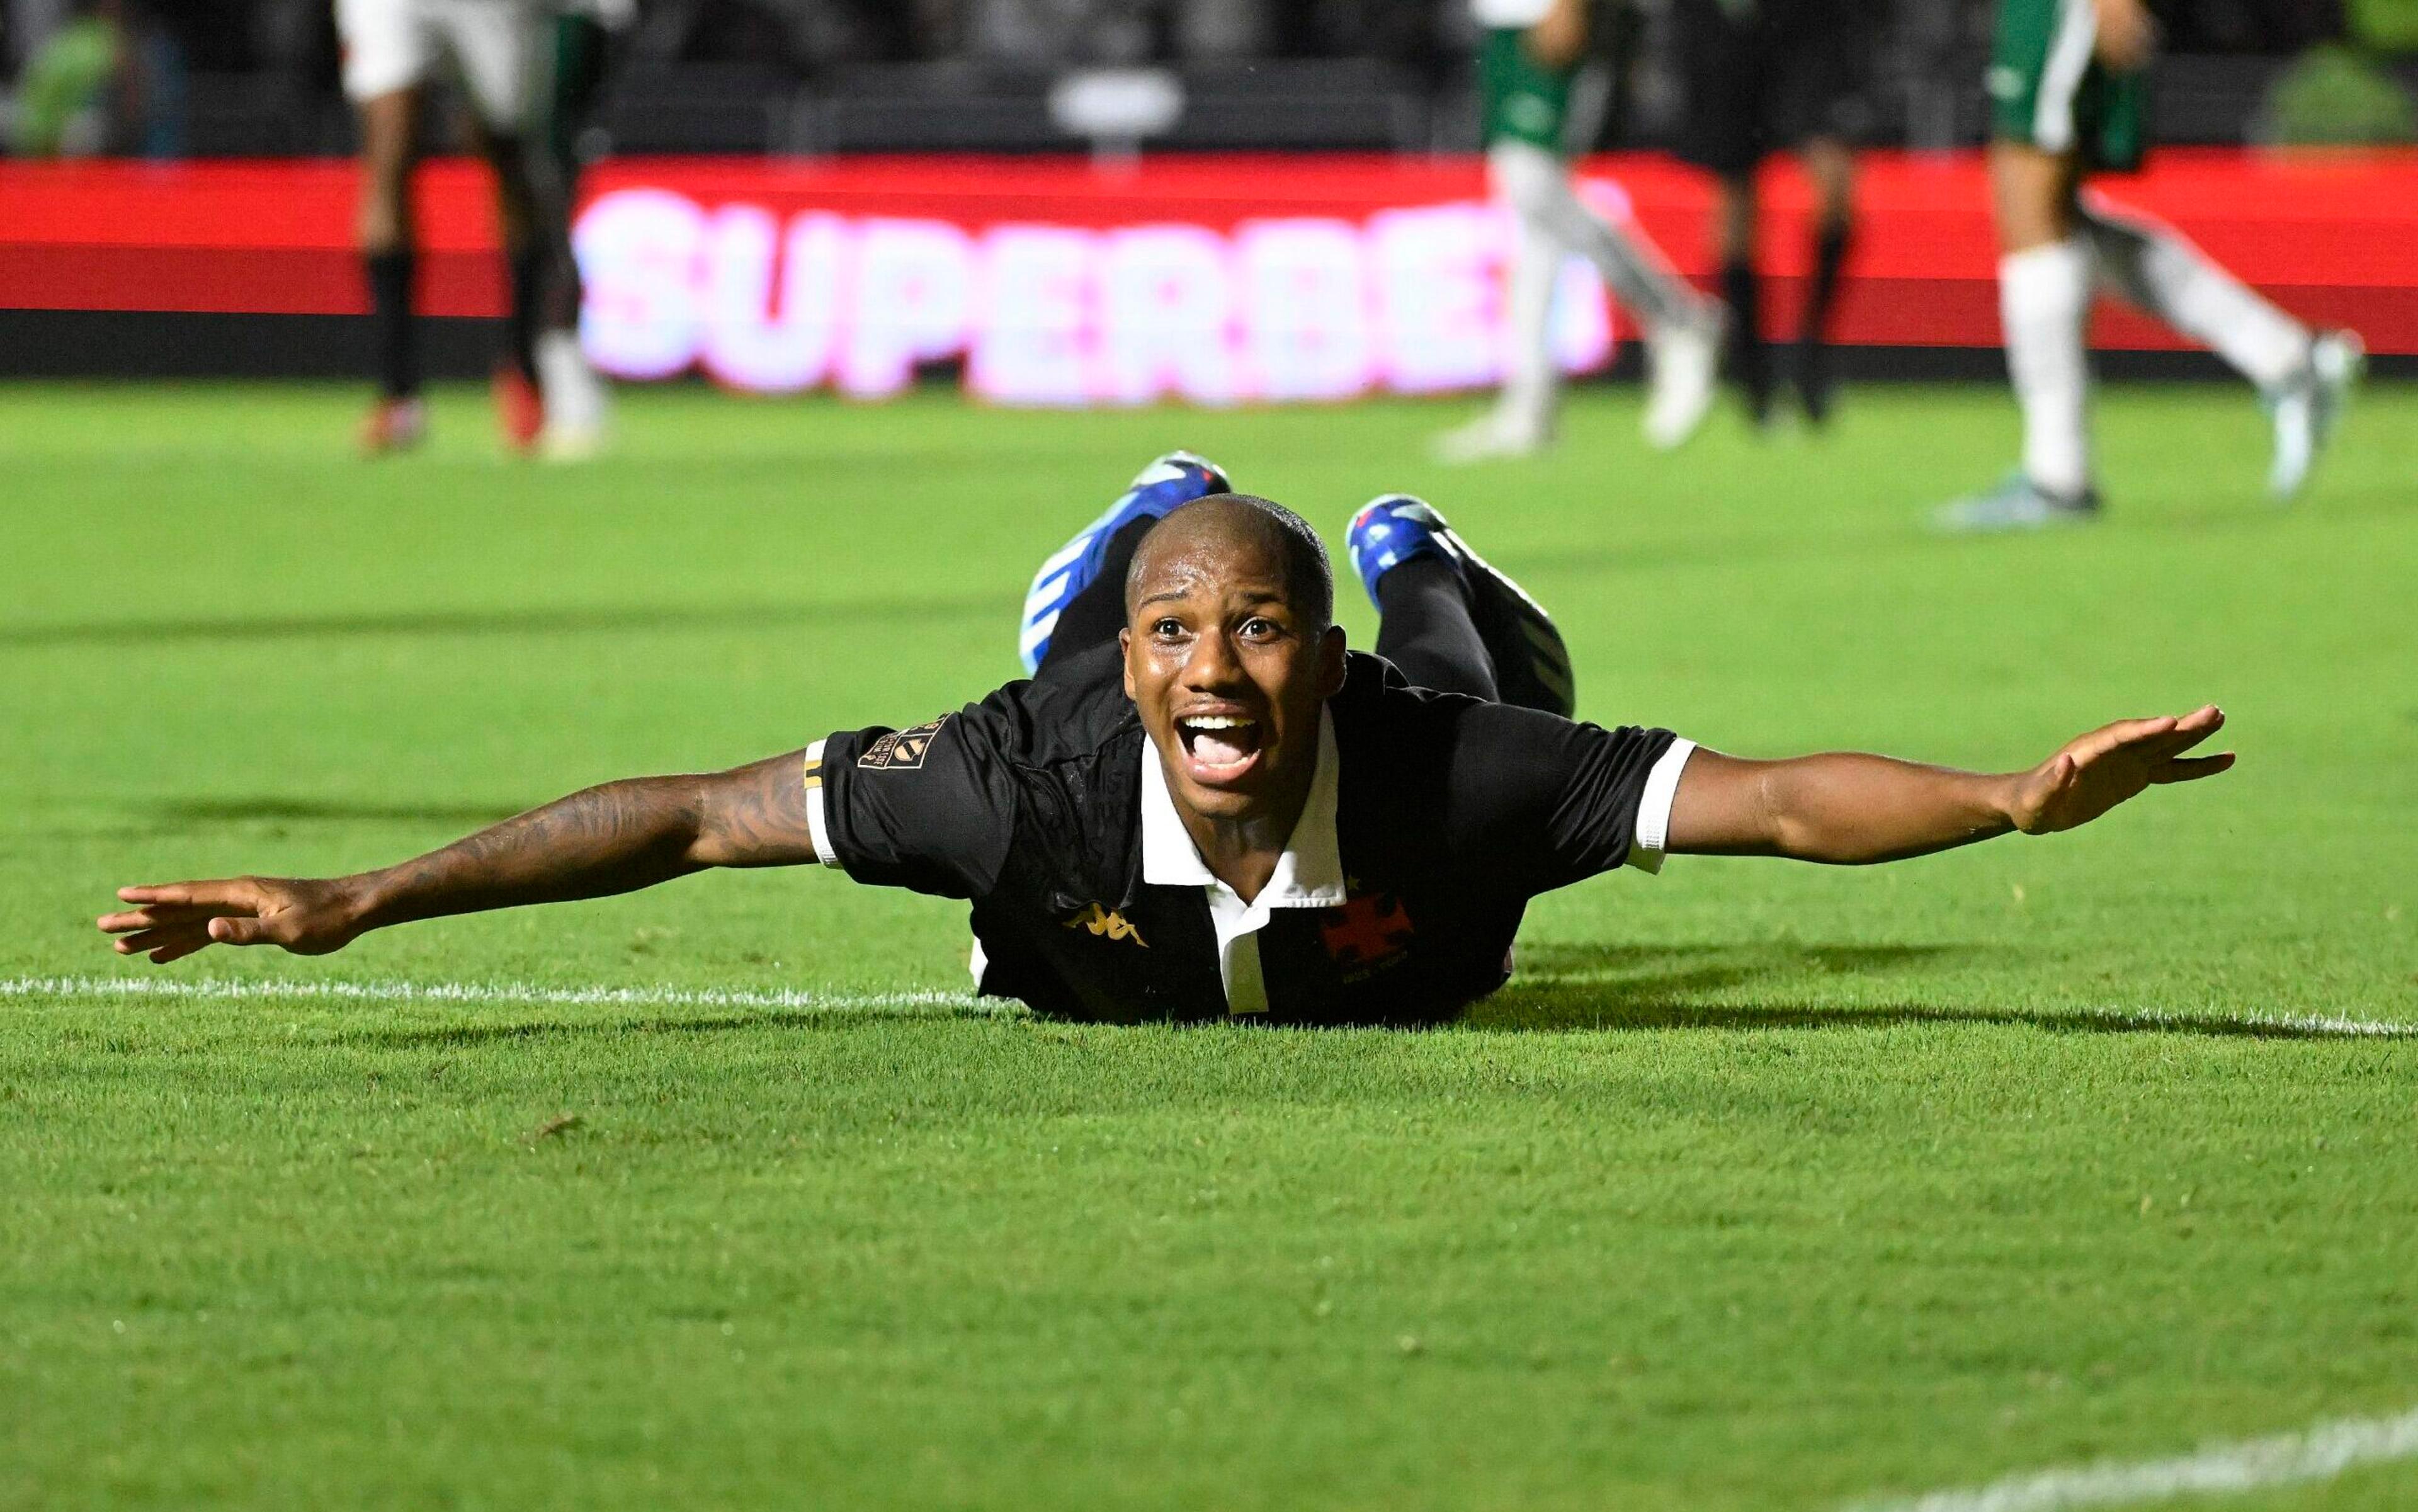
<point>237,989</point>
<point>2319,1452</point>
<point>224,989</point>
<point>2314,1024</point>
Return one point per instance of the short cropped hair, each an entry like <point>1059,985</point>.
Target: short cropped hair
<point>1309,574</point>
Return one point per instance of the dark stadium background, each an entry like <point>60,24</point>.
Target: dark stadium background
<point>823,80</point>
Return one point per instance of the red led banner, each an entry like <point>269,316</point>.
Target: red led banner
<point>1211,278</point>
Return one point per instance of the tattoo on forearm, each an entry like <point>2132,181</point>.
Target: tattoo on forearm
<point>613,838</point>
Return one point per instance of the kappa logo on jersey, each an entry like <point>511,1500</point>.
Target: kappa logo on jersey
<point>902,749</point>
<point>1371,929</point>
<point>1108,923</point>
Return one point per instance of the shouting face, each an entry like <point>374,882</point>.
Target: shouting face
<point>1229,657</point>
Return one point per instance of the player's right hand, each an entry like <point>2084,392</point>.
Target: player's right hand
<point>172,920</point>
<point>2128,35</point>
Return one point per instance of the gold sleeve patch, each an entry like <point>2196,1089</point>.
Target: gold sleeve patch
<point>901,749</point>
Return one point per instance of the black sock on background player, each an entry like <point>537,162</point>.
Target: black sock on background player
<point>528,274</point>
<point>1742,291</point>
<point>397,346</point>
<point>1832,240</point>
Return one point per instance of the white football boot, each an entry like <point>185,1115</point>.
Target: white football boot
<point>577,407</point>
<point>1683,363</point>
<point>2305,409</point>
<point>1500,433</point>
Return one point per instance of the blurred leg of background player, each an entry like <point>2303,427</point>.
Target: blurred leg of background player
<point>386,53</point>
<point>1533,51</point>
<point>2068,83</point>
<point>391,48</point>
<point>579,408</point>
<point>1760,75</point>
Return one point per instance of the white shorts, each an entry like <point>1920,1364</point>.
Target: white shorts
<point>498,47</point>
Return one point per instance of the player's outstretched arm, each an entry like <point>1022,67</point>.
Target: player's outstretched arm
<point>1850,809</point>
<point>615,838</point>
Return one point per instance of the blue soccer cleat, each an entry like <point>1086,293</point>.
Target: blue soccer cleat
<point>1532,666</point>
<point>1175,479</point>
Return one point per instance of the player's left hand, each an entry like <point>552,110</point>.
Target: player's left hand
<point>2094,773</point>
<point>169,921</point>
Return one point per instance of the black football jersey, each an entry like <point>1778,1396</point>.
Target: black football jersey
<point>1451,813</point>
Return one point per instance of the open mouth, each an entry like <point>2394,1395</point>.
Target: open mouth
<point>1220,749</point>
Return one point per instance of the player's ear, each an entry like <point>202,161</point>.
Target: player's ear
<point>1124,657</point>
<point>1330,661</point>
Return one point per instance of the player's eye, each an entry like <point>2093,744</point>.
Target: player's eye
<point>1259,627</point>
<point>1167,627</point>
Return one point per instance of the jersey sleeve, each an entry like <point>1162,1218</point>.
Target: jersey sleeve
<point>1542,802</point>
<point>932,808</point>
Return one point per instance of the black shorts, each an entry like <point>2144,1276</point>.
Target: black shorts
<point>1763,75</point>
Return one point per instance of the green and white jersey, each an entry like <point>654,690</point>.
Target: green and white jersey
<point>1524,100</point>
<point>2048,88</point>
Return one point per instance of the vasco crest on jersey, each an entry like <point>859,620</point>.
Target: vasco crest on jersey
<point>1370,932</point>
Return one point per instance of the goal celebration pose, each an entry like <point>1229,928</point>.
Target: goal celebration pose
<point>1202,804</point>
<point>2069,89</point>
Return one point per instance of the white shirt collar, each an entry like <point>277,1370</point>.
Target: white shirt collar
<point>1310,874</point>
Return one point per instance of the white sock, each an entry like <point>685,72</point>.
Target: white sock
<point>1531,381</point>
<point>575,395</point>
<point>1538,185</point>
<point>2148,265</point>
<point>2043,298</point>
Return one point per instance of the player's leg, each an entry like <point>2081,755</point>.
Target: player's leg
<point>1522,421</point>
<point>2302,375</point>
<point>577,405</point>
<point>2045,284</point>
<point>1526,105</point>
<point>495,48</point>
<point>1077,601</point>
<point>1682,328</point>
<point>1736,213</point>
<point>1448,618</point>
<point>1820,99</point>
<point>2040,68</point>
<point>386,56</point>
<point>1832,165</point>
<point>1726,68</point>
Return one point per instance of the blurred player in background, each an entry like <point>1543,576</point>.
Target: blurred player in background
<point>501,51</point>
<point>2068,91</point>
<point>1763,75</point>
<point>1532,52</point>
<point>584,39</point>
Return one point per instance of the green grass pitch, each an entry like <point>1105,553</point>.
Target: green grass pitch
<point>1762,1187</point>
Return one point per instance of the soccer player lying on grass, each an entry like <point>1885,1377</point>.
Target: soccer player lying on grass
<point>1202,804</point>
